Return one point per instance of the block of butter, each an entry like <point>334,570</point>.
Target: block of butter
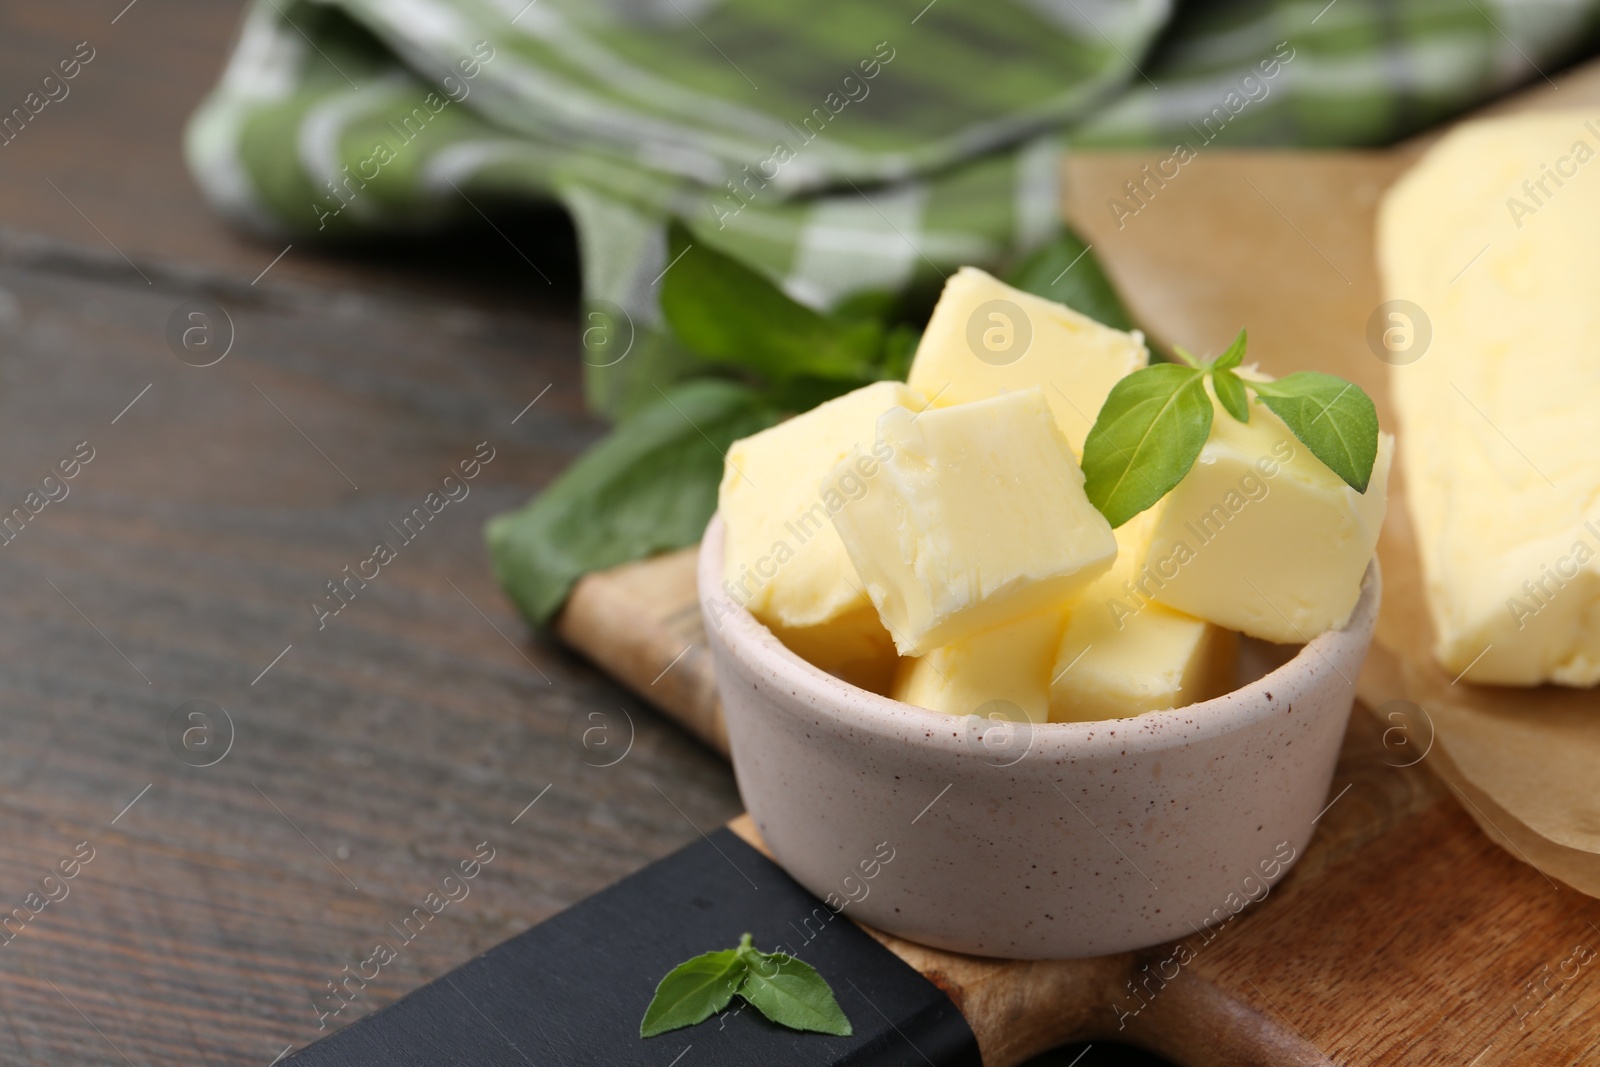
<point>985,337</point>
<point>783,560</point>
<point>853,646</point>
<point>1002,672</point>
<point>1261,537</point>
<point>1488,245</point>
<point>1123,654</point>
<point>977,517</point>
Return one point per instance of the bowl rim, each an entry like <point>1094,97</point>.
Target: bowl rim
<point>895,721</point>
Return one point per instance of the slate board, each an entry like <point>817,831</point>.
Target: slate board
<point>572,989</point>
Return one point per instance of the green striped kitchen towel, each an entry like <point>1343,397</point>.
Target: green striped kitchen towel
<point>841,146</point>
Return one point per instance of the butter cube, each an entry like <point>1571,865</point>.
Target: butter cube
<point>1261,537</point>
<point>1001,672</point>
<point>783,559</point>
<point>985,337</point>
<point>852,646</point>
<point>978,517</point>
<point>1123,654</point>
<point>1493,235</point>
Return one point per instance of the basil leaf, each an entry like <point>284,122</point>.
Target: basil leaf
<point>1233,355</point>
<point>1230,393</point>
<point>733,315</point>
<point>876,305</point>
<point>693,991</point>
<point>1065,270</point>
<point>615,391</point>
<point>1331,417</point>
<point>899,346</point>
<point>1145,439</point>
<point>790,992</point>
<point>648,486</point>
<point>803,394</point>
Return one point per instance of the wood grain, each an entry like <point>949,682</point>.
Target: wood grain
<point>386,746</point>
<point>381,748</point>
<point>641,622</point>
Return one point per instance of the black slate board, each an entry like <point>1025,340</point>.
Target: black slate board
<point>572,989</point>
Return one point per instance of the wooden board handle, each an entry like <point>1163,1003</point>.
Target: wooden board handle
<point>641,622</point>
<point>1020,1008</point>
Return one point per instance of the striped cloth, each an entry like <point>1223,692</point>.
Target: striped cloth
<point>843,146</point>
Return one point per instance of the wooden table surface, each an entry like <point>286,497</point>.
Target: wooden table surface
<point>368,756</point>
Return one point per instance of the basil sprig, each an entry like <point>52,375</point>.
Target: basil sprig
<point>784,989</point>
<point>1155,421</point>
<point>738,319</point>
<point>648,486</point>
<point>748,355</point>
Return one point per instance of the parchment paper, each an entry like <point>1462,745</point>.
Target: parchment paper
<point>1524,762</point>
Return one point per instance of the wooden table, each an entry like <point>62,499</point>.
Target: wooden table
<point>368,756</point>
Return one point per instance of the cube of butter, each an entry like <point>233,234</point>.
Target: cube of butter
<point>1261,537</point>
<point>978,517</point>
<point>782,558</point>
<point>853,646</point>
<point>1123,654</point>
<point>1003,671</point>
<point>985,337</point>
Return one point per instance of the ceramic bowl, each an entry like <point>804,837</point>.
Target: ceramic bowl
<point>1042,841</point>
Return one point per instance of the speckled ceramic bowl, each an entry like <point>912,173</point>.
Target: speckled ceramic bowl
<point>1050,841</point>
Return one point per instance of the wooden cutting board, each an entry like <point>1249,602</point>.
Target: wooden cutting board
<point>1403,935</point>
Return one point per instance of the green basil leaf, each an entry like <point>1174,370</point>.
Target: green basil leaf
<point>1230,393</point>
<point>875,305</point>
<point>1146,437</point>
<point>1066,271</point>
<point>803,394</point>
<point>899,345</point>
<point>655,358</point>
<point>693,991</point>
<point>1233,355</point>
<point>732,314</point>
<point>1331,417</point>
<point>648,486</point>
<point>790,992</point>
